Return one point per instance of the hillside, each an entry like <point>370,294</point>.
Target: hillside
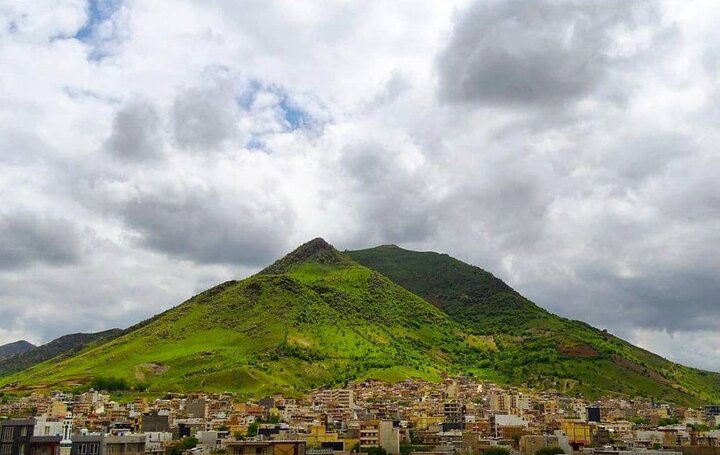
<point>313,318</point>
<point>17,347</point>
<point>535,347</point>
<point>64,346</point>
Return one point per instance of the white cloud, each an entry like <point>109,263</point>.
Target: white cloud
<point>185,143</point>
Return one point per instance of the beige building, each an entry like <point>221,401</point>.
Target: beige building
<point>129,444</point>
<point>276,447</point>
<point>529,444</point>
<point>380,433</point>
<point>513,402</point>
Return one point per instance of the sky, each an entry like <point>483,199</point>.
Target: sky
<point>149,150</point>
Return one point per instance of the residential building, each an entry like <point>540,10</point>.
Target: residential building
<point>15,436</point>
<point>273,447</point>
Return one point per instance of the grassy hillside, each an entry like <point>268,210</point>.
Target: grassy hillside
<point>64,346</point>
<point>535,347</point>
<point>313,318</point>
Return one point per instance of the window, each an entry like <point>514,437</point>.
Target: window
<point>7,435</point>
<point>83,449</point>
<point>94,449</point>
<point>23,431</point>
<point>21,449</point>
<point>5,449</point>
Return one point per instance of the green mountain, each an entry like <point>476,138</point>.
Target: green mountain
<point>534,347</point>
<point>313,318</point>
<point>318,317</point>
<point>64,346</point>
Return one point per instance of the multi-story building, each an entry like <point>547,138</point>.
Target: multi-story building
<point>454,412</point>
<point>579,433</point>
<point>336,398</point>
<point>127,444</point>
<point>380,433</point>
<point>15,435</point>
<point>86,444</point>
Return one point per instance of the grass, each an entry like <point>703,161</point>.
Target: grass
<point>317,318</point>
<point>315,324</point>
<point>531,346</point>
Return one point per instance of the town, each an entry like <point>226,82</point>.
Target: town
<point>458,415</point>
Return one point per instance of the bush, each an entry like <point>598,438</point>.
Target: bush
<point>188,443</point>
<point>549,451</point>
<point>497,451</point>
<point>110,384</point>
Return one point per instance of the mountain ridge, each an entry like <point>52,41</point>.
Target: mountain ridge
<point>14,348</point>
<point>538,348</point>
<point>313,318</point>
<point>61,346</point>
<point>320,317</point>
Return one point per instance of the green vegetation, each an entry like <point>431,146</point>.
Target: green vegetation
<point>318,318</point>
<point>109,384</point>
<point>699,427</point>
<point>253,427</point>
<point>497,451</point>
<point>549,451</point>
<point>407,449</point>
<point>64,346</point>
<point>531,346</point>
<point>185,444</point>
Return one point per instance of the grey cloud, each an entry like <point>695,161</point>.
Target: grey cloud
<point>205,117</point>
<point>530,52</point>
<point>207,227</point>
<point>136,133</point>
<point>26,238</point>
<point>394,203</point>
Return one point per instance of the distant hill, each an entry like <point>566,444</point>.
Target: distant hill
<point>14,348</point>
<point>535,347</point>
<point>63,346</point>
<point>313,318</point>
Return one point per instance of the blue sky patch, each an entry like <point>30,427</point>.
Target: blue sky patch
<point>98,12</point>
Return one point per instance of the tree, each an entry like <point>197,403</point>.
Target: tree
<point>188,443</point>
<point>375,451</point>
<point>253,429</point>
<point>497,451</point>
<point>549,451</point>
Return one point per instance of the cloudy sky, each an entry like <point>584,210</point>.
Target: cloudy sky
<point>149,150</point>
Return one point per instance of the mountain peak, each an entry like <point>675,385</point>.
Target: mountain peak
<point>316,250</point>
<point>14,348</point>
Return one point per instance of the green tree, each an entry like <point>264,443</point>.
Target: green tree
<point>549,451</point>
<point>375,451</point>
<point>253,429</point>
<point>188,443</point>
<point>497,451</point>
